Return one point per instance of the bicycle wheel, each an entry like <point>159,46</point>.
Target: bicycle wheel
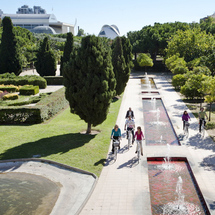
<point>129,140</point>
<point>138,150</point>
<point>186,131</point>
<point>115,153</point>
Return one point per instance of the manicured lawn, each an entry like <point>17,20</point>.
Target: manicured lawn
<point>60,140</point>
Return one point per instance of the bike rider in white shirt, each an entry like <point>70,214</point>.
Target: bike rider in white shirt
<point>130,126</point>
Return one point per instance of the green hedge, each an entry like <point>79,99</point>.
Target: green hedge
<point>54,80</point>
<point>10,89</point>
<point>10,96</point>
<point>42,111</point>
<point>35,80</point>
<point>29,90</point>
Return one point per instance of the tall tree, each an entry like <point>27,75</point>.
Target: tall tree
<point>46,64</point>
<point>144,60</point>
<point>119,66</point>
<point>127,53</point>
<point>89,81</point>
<point>67,51</point>
<point>9,53</point>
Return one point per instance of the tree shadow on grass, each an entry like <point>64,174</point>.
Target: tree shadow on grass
<point>47,146</point>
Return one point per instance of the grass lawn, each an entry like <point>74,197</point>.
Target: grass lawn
<point>60,140</point>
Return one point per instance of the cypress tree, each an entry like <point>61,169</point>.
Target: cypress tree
<point>89,81</point>
<point>9,54</point>
<point>45,64</point>
<point>119,66</point>
<point>68,48</point>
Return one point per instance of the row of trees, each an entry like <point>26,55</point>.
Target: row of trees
<point>95,73</point>
<point>27,45</point>
<point>188,52</point>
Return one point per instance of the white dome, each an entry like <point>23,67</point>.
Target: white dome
<point>109,31</point>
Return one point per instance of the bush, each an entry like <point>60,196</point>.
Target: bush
<point>178,81</point>
<point>29,90</point>
<point>35,80</point>
<point>42,111</point>
<point>9,88</point>
<point>54,80</point>
<point>210,125</point>
<point>10,96</point>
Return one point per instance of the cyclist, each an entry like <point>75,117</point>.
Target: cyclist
<point>130,127</point>
<point>115,135</point>
<point>139,136</point>
<point>202,115</point>
<point>185,118</point>
<point>129,113</point>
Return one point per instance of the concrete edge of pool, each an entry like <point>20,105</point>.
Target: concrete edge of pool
<point>76,185</point>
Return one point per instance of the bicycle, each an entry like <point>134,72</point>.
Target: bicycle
<point>138,148</point>
<point>129,138</point>
<point>116,146</point>
<point>186,129</point>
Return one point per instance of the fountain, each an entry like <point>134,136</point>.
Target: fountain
<point>156,123</point>
<point>180,206</point>
<point>168,195</point>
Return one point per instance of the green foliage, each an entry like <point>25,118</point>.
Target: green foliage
<point>176,64</point>
<point>121,70</point>
<point>89,81</point>
<point>68,48</point>
<point>46,61</point>
<point>29,90</point>
<point>80,32</point>
<point>208,87</point>
<point>178,81</point>
<point>144,60</point>
<point>11,78</point>
<point>10,96</point>
<point>153,39</point>
<point>190,44</point>
<point>9,52</point>
<point>42,111</point>
<point>193,86</point>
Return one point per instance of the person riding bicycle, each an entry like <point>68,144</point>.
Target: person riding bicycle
<point>185,118</point>
<point>115,135</point>
<point>129,113</point>
<point>130,127</point>
<point>139,136</point>
<point>202,115</point>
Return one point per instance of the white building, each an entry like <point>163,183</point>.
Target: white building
<point>109,31</point>
<point>36,20</point>
<point>31,21</point>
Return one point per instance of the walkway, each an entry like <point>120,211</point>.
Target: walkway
<point>123,186</point>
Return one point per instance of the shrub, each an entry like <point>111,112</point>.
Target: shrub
<point>29,90</point>
<point>8,78</point>
<point>9,88</point>
<point>178,81</point>
<point>42,111</point>
<point>10,96</point>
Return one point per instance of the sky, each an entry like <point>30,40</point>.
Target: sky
<point>127,15</point>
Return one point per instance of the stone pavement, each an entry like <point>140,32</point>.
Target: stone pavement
<point>123,186</point>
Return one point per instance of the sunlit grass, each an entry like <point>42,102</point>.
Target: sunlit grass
<point>60,140</point>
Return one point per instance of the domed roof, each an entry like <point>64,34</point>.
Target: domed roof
<point>110,31</point>
<point>44,29</point>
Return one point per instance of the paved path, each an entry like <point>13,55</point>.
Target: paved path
<point>123,186</point>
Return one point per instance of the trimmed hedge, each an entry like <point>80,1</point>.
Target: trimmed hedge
<point>29,90</point>
<point>42,111</point>
<point>10,96</point>
<point>35,80</point>
<point>54,80</point>
<point>9,88</point>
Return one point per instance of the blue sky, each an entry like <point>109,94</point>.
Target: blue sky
<point>127,15</point>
